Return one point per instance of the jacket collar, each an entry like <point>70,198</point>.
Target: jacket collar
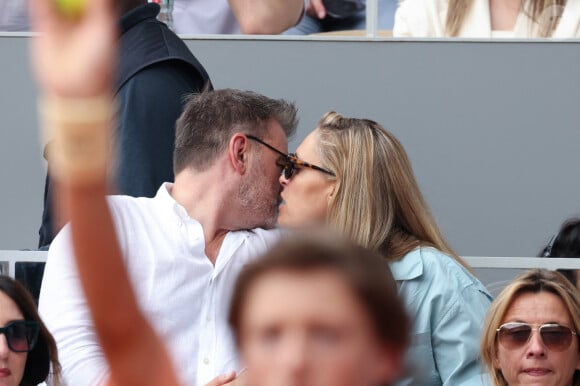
<point>138,14</point>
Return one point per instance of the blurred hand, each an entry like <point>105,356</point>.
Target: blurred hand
<point>222,379</point>
<point>74,57</point>
<point>230,379</point>
<point>316,9</point>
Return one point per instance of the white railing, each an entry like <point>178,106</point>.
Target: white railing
<point>494,272</point>
<point>551,263</point>
<point>8,260</point>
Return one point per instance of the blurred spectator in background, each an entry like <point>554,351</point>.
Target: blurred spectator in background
<point>486,19</point>
<point>235,16</point>
<point>566,243</point>
<point>13,15</point>
<point>342,15</point>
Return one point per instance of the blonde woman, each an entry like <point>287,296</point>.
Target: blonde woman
<point>531,332</point>
<point>488,18</point>
<point>354,177</point>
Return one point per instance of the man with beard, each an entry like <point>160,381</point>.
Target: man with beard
<point>184,247</point>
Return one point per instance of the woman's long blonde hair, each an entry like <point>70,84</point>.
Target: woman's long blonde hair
<point>545,12</point>
<point>376,201</point>
<point>532,281</point>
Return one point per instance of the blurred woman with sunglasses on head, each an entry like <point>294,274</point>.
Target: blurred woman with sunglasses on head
<point>27,350</point>
<point>355,177</point>
<point>531,332</point>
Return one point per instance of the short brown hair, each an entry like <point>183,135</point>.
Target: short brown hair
<point>366,274</point>
<point>532,281</point>
<point>212,117</point>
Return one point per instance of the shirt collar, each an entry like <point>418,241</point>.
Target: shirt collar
<point>138,14</point>
<point>409,267</point>
<point>168,203</point>
<point>231,243</point>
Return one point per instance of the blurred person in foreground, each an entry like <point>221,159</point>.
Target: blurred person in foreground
<point>319,311</point>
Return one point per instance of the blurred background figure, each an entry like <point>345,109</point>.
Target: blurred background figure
<point>566,243</point>
<point>488,18</point>
<point>233,16</point>
<point>342,15</point>
<point>28,354</point>
<point>531,332</point>
<point>13,15</point>
<point>316,311</point>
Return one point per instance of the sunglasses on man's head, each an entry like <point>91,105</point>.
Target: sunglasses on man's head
<point>21,335</point>
<point>290,162</point>
<point>554,336</point>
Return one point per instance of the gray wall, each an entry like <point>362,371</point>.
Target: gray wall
<point>491,127</point>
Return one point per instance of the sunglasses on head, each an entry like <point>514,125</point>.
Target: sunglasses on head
<point>290,162</point>
<point>21,335</point>
<point>554,336</point>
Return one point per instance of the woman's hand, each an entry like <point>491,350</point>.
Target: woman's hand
<point>74,57</point>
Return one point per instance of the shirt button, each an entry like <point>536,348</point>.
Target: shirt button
<point>206,361</point>
<point>208,318</point>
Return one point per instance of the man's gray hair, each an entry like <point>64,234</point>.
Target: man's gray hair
<point>211,118</point>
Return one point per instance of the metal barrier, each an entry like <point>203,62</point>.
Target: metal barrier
<point>9,259</point>
<point>494,272</point>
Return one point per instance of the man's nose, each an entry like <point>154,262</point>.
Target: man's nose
<point>283,180</point>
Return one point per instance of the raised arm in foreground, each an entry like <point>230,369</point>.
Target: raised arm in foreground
<point>74,60</point>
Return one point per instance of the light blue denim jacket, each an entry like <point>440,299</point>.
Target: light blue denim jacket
<point>447,306</point>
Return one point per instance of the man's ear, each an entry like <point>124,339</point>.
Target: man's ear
<point>238,152</point>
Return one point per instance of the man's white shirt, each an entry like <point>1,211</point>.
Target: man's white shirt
<point>185,297</point>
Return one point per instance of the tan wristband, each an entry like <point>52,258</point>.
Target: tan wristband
<point>79,132</point>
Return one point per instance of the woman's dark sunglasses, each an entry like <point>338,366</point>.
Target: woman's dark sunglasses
<point>290,161</point>
<point>554,336</point>
<point>21,335</point>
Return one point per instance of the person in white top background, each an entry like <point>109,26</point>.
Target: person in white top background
<point>488,18</point>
